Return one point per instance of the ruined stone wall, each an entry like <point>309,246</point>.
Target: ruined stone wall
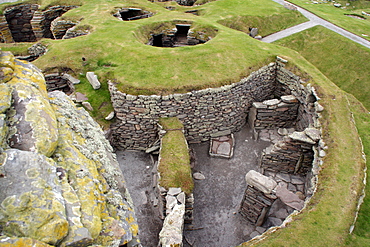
<point>19,22</point>
<point>26,23</point>
<point>204,113</point>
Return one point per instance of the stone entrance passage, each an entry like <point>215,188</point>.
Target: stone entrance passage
<point>216,221</point>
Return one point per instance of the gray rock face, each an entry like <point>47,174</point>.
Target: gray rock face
<point>93,79</point>
<point>77,197</point>
<point>37,199</point>
<point>261,182</point>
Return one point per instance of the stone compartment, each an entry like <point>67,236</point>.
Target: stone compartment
<point>131,14</point>
<point>179,33</point>
<point>28,23</point>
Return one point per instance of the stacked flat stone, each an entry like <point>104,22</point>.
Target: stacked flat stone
<point>6,35</point>
<point>19,22</point>
<point>59,82</point>
<point>293,155</point>
<point>171,233</point>
<point>204,113</point>
<point>274,113</point>
<point>25,23</point>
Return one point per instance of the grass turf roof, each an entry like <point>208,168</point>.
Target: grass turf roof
<point>114,49</point>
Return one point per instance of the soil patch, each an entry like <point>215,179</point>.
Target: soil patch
<point>218,196</point>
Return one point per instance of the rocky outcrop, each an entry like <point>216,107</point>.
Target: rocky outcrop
<point>60,182</point>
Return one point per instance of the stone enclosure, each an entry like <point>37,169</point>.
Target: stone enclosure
<point>27,23</point>
<point>275,104</point>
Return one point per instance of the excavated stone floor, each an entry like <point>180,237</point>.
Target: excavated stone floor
<point>217,197</point>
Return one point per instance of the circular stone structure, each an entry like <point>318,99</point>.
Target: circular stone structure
<point>178,34</point>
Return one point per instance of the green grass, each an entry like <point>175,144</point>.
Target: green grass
<point>361,234</point>
<point>174,163</point>
<point>337,15</point>
<point>328,216</point>
<point>115,50</point>
<point>144,69</point>
<point>266,25</point>
<point>346,63</point>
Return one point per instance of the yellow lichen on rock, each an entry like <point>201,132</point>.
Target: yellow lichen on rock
<point>61,184</point>
<point>20,242</point>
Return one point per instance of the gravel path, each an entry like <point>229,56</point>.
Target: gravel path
<point>314,20</point>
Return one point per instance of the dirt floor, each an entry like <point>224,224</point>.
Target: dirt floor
<point>137,169</point>
<point>217,198</point>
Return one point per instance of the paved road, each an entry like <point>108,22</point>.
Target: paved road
<point>313,21</point>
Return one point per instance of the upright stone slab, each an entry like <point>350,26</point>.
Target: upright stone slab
<point>93,79</point>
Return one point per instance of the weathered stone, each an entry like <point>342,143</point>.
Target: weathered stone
<point>254,234</point>
<point>33,124</point>
<point>198,176</point>
<point>93,79</point>
<point>261,182</point>
<point>174,191</point>
<point>260,229</point>
<point>87,105</point>
<point>71,79</point>
<point>6,241</point>
<point>171,233</point>
<point>313,133</point>
<point>171,201</point>
<point>80,97</point>
<point>271,102</point>
<point>6,97</point>
<point>283,131</point>
<point>110,116</point>
<point>283,176</point>
<point>289,198</point>
<point>221,133</point>
<point>301,136</point>
<point>224,149</point>
<point>181,198</point>
<point>253,32</point>
<point>35,207</point>
<point>77,199</point>
<point>289,99</point>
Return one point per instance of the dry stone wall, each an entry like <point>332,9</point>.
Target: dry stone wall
<point>205,113</point>
<point>26,23</point>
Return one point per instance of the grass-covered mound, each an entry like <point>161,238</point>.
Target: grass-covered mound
<point>347,68</point>
<point>174,162</point>
<point>115,49</point>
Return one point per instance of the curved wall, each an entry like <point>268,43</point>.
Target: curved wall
<point>204,113</point>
